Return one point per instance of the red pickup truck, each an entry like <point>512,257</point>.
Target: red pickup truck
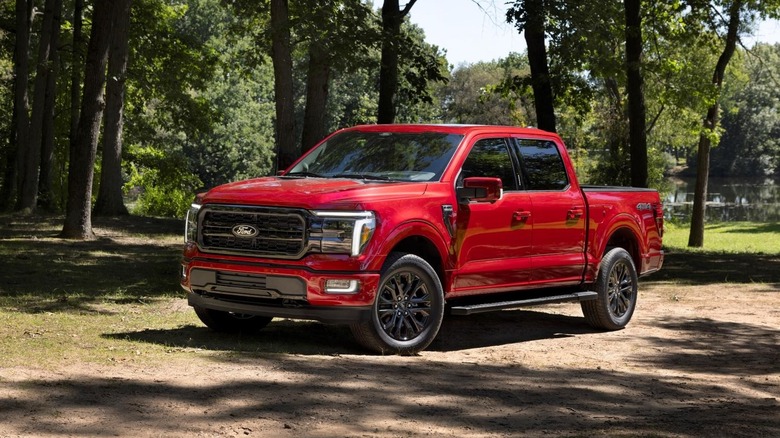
<point>385,227</point>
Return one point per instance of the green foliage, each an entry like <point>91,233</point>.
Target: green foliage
<point>169,62</point>
<point>487,93</point>
<point>421,64</point>
<point>240,144</point>
<point>164,182</point>
<point>353,98</point>
<point>750,145</point>
<point>347,30</point>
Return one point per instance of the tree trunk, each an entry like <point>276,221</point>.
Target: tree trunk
<point>20,117</point>
<point>388,67</point>
<point>537,60</point>
<point>637,126</point>
<point>76,71</point>
<point>316,96</point>
<point>8,187</point>
<point>28,199</point>
<point>696,236</point>
<point>109,201</point>
<point>392,17</point>
<point>78,217</point>
<point>46,197</point>
<point>286,150</point>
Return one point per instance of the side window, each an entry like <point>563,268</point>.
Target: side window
<point>543,165</point>
<point>490,158</point>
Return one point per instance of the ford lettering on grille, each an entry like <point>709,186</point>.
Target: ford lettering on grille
<point>244,231</point>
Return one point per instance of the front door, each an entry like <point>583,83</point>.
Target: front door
<point>493,238</point>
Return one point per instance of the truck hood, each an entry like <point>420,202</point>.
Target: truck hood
<point>311,193</point>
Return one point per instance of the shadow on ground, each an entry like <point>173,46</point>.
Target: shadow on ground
<point>329,382</point>
<point>350,396</point>
<point>712,268</point>
<point>307,338</point>
<point>705,345</point>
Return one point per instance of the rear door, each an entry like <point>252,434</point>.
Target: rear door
<point>558,212</point>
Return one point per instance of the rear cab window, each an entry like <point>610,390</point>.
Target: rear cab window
<point>542,164</point>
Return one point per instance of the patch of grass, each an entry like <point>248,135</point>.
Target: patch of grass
<point>735,252</point>
<point>731,237</point>
<point>58,297</point>
<point>131,256</point>
<point>77,334</point>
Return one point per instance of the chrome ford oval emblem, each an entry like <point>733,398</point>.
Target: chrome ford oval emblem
<point>244,231</point>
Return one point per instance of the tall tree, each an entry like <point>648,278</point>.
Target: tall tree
<point>637,125</point>
<point>76,71</point>
<point>28,198</point>
<point>340,36</point>
<point>318,75</point>
<point>46,196</point>
<point>392,17</point>
<point>78,214</point>
<point>21,118</point>
<point>281,54</point>
<point>530,16</point>
<point>696,236</point>
<point>110,201</point>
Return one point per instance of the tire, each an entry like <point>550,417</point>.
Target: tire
<point>408,308</point>
<point>616,286</point>
<point>227,322</point>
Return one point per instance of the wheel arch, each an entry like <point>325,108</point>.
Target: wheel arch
<point>627,238</point>
<point>421,240</point>
<point>423,248</point>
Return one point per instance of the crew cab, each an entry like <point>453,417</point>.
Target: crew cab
<point>386,227</point>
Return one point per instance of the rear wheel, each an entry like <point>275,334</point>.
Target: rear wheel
<point>228,322</point>
<point>408,309</point>
<point>616,286</point>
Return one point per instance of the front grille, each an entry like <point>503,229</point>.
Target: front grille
<point>271,232</point>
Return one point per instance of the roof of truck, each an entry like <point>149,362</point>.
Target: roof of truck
<point>451,128</point>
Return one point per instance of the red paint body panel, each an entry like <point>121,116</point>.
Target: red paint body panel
<point>524,240</point>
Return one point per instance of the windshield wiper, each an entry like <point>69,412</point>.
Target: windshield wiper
<point>303,174</point>
<point>362,176</point>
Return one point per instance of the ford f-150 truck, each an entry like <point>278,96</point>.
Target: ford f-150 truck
<point>384,227</point>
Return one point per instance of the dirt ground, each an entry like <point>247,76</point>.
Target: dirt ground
<point>695,361</point>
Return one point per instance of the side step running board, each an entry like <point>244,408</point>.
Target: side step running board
<point>490,307</point>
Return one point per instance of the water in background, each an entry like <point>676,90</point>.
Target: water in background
<point>728,199</point>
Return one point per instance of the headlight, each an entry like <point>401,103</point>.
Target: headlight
<point>191,224</point>
<point>342,232</point>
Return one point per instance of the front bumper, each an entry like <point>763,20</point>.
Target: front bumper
<point>276,291</point>
<point>330,315</point>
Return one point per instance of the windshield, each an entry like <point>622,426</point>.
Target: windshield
<point>380,156</point>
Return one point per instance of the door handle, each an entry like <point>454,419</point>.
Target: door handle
<point>521,215</point>
<point>574,214</point>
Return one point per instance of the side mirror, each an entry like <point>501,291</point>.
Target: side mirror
<point>480,189</point>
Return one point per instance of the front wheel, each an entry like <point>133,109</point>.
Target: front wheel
<point>229,322</point>
<point>616,286</point>
<point>408,309</point>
